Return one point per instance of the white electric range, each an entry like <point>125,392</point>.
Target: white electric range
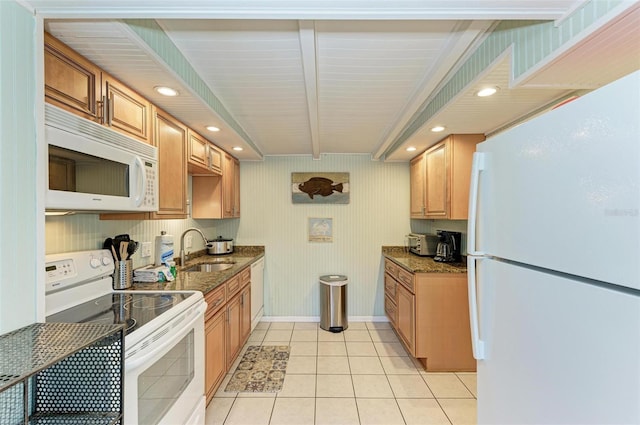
<point>164,337</point>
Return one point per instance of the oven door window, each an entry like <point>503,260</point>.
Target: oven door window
<point>78,172</point>
<point>161,384</point>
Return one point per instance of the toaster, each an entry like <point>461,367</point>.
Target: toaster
<point>422,244</point>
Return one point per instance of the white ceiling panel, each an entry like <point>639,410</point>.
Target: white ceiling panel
<point>255,69</point>
<point>336,76</point>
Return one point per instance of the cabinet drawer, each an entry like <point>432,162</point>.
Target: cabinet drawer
<point>245,277</point>
<point>391,268</point>
<point>406,278</point>
<point>215,300</point>
<point>391,310</point>
<point>390,286</point>
<point>233,286</point>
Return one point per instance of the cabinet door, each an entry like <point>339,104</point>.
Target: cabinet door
<point>126,111</point>
<point>236,188</point>
<point>170,138</point>
<point>228,183</point>
<point>437,189</point>
<point>233,336</point>
<point>391,310</point>
<point>406,317</point>
<point>215,159</point>
<point>198,154</point>
<point>245,307</point>
<point>215,361</point>
<point>70,81</point>
<point>417,187</point>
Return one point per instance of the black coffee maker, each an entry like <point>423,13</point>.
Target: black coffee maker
<point>448,250</point>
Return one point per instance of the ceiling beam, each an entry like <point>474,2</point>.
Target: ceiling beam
<point>306,10</point>
<point>310,68</point>
<point>464,37</point>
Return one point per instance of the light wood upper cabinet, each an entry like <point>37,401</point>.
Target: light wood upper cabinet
<point>70,81</point>
<point>231,187</point>
<point>78,86</point>
<point>170,137</point>
<point>437,182</point>
<point>125,111</point>
<point>440,178</point>
<point>217,196</point>
<point>417,182</point>
<point>204,157</point>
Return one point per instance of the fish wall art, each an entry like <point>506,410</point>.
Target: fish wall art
<point>320,188</point>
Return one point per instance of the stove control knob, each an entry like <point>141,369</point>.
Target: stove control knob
<point>106,261</point>
<point>95,263</point>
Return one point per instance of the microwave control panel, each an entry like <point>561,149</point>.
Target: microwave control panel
<point>150,192</point>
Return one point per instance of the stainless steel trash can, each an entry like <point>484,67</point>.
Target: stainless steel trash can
<point>333,303</point>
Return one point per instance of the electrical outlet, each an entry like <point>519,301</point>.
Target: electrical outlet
<point>188,241</point>
<point>146,250</point>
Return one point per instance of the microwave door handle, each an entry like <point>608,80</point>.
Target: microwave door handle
<point>141,180</point>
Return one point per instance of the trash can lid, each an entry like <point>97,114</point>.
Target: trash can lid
<point>334,279</point>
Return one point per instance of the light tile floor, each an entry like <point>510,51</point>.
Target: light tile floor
<point>360,376</point>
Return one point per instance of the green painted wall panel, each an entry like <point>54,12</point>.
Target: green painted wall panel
<point>18,214</point>
<point>532,41</point>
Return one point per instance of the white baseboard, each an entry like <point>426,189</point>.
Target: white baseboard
<point>317,319</point>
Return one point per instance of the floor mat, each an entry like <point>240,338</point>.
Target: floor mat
<point>261,369</point>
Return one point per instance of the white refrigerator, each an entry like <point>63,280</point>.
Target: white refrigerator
<point>554,264</point>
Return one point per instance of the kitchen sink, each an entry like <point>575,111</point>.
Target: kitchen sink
<point>210,267</point>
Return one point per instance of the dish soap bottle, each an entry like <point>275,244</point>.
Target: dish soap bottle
<point>164,249</point>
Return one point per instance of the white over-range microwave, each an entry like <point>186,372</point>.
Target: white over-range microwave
<point>93,168</point>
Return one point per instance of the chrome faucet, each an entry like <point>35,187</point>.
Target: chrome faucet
<point>204,238</point>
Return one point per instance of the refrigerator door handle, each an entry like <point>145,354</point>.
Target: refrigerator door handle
<point>477,344</point>
<point>476,167</point>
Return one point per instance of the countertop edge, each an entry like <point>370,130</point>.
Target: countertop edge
<point>416,264</point>
<point>205,281</point>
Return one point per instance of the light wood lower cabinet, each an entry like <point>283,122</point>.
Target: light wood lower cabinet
<point>430,314</point>
<point>405,324</point>
<point>227,327</point>
<point>215,353</point>
<point>234,318</point>
<point>245,303</point>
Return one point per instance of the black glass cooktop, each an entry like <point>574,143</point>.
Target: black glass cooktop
<point>132,309</point>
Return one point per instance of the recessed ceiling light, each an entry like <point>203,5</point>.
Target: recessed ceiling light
<point>166,91</point>
<point>437,129</point>
<point>487,92</point>
<point>212,128</point>
<point>237,148</point>
<point>411,148</point>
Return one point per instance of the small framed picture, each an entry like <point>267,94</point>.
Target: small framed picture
<point>320,230</point>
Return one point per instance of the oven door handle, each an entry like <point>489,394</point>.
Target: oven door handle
<point>199,315</point>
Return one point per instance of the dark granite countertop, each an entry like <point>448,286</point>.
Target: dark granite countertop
<point>417,264</point>
<point>243,256</point>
